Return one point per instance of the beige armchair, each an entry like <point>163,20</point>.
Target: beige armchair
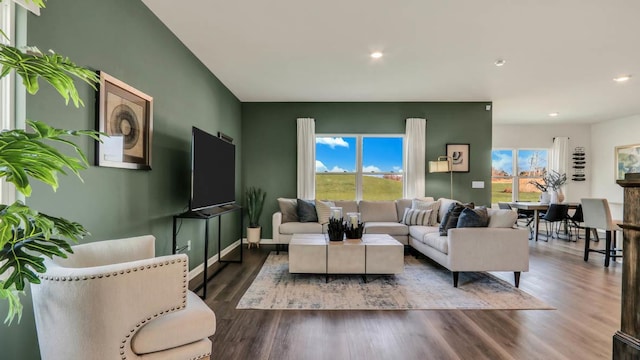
<point>115,300</point>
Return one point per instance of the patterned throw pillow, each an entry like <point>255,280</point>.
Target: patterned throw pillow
<point>416,217</point>
<point>323,208</point>
<point>477,217</point>
<point>427,205</point>
<point>307,211</point>
<point>289,209</point>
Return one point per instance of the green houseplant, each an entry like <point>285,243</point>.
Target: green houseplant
<point>25,233</point>
<point>254,203</point>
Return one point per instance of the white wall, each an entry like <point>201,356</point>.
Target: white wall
<point>605,136</point>
<point>541,136</point>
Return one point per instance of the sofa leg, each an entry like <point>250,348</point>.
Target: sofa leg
<point>455,278</point>
<point>516,276</point>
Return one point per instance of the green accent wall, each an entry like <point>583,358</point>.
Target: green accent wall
<point>124,39</point>
<point>269,142</point>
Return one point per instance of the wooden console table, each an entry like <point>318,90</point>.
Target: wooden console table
<point>626,341</point>
<point>206,215</point>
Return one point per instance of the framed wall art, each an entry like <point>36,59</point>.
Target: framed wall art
<point>627,160</point>
<point>125,115</point>
<point>459,154</point>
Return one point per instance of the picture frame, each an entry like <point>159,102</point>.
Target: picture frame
<point>460,155</point>
<point>125,116</point>
<point>627,160</point>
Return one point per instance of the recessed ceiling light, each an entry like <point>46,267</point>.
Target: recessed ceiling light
<point>622,78</point>
<point>554,114</point>
<point>376,55</point>
<point>500,62</point>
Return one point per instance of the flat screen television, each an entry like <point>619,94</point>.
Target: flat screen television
<point>213,169</point>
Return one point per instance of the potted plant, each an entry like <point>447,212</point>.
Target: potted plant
<point>554,181</point>
<point>25,233</point>
<point>254,203</point>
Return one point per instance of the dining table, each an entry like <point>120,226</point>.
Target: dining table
<point>537,207</point>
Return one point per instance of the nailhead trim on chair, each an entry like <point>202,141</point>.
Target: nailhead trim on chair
<point>127,271</point>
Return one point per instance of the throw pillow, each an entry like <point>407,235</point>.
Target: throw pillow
<point>307,211</point>
<point>450,219</point>
<point>477,217</point>
<point>427,205</point>
<point>416,217</point>
<point>323,209</point>
<point>499,218</point>
<point>289,209</point>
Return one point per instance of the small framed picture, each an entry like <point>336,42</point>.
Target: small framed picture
<point>125,115</point>
<point>627,160</point>
<point>459,154</point>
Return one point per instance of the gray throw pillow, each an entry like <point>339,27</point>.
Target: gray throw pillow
<point>477,217</point>
<point>288,208</point>
<point>450,219</point>
<point>307,211</point>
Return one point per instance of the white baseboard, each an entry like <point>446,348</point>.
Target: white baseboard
<point>212,260</point>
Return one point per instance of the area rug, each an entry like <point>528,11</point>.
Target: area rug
<point>421,286</point>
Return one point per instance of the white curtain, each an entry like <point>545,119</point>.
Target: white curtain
<point>414,166</point>
<point>560,156</point>
<point>306,158</point>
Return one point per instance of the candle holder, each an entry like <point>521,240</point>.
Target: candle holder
<point>336,212</point>
<point>353,227</point>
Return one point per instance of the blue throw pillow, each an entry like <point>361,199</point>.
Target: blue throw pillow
<point>307,211</point>
<point>477,217</point>
<point>450,219</point>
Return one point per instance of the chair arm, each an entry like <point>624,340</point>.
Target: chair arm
<point>488,249</point>
<point>276,220</point>
<point>120,298</point>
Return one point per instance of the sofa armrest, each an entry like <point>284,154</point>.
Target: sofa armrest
<point>488,249</point>
<point>276,220</point>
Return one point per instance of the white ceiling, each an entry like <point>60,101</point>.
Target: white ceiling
<point>561,55</point>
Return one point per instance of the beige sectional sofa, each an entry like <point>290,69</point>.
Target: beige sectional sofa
<point>498,247</point>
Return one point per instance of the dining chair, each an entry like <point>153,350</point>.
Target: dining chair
<point>597,215</point>
<point>556,214</point>
<point>576,222</point>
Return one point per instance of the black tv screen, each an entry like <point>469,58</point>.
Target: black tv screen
<point>213,169</point>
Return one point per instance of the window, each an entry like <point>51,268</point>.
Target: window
<point>7,108</point>
<point>355,167</point>
<point>513,170</point>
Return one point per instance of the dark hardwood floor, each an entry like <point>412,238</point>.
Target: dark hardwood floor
<point>586,295</point>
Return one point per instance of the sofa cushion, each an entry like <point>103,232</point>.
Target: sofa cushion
<point>476,217</point>
<point>347,206</point>
<point>418,232</point>
<point>307,211</point>
<point>502,218</point>
<point>437,241</point>
<point>444,207</point>
<point>402,204</point>
<point>289,209</point>
<point>196,321</point>
<point>416,217</point>
<point>378,211</point>
<point>427,205</point>
<point>383,227</point>
<point>301,228</point>
<point>323,209</point>
<point>450,219</point>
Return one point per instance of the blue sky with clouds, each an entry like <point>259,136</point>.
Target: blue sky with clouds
<point>338,154</point>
